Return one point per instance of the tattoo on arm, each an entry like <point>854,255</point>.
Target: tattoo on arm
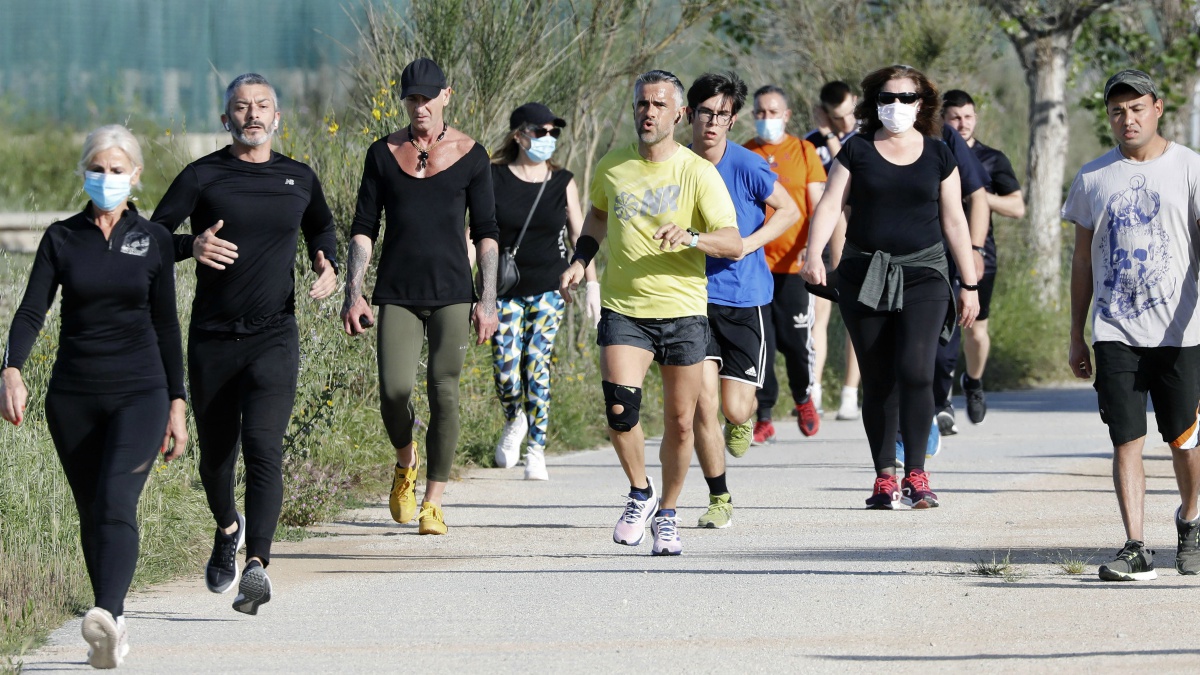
<point>489,257</point>
<point>356,265</point>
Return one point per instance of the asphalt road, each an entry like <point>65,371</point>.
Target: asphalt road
<point>528,578</point>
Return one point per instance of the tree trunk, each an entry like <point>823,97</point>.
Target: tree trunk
<point>1046,59</point>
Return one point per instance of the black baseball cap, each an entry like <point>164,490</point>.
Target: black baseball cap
<point>535,114</point>
<point>422,77</point>
<point>1136,80</point>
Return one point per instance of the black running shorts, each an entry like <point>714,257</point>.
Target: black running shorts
<point>986,285</point>
<point>737,343</point>
<point>1171,375</point>
<point>681,341</point>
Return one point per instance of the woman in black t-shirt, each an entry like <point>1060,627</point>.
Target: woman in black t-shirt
<point>901,184</point>
<point>117,382</point>
<point>531,189</point>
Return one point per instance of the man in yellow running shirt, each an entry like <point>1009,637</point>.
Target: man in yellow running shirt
<point>663,209</point>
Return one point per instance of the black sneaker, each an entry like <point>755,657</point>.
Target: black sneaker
<point>945,421</point>
<point>1134,562</point>
<point>976,401</point>
<point>254,590</point>
<point>221,572</point>
<point>1187,556</point>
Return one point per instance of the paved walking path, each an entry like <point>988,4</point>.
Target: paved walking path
<point>806,580</point>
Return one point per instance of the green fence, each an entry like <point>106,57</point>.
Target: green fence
<point>92,61</point>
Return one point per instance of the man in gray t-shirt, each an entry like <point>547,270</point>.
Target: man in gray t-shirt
<point>1134,272</point>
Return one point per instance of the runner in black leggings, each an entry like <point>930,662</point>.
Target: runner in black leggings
<point>902,185</point>
<point>243,346</point>
<point>118,376</point>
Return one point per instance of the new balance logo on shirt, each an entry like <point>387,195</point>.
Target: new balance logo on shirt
<point>289,181</point>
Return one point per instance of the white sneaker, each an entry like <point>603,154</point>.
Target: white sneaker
<point>848,410</point>
<point>631,528</point>
<point>535,465</point>
<point>107,642</point>
<point>508,450</point>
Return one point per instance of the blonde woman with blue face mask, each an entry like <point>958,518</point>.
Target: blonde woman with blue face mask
<point>538,212</point>
<point>116,396</point>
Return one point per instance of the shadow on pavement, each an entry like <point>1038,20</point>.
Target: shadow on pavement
<point>1008,657</point>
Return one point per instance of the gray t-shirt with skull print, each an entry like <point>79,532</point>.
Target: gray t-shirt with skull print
<point>1144,260</point>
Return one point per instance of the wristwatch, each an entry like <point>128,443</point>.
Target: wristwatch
<point>830,136</point>
<point>695,238</point>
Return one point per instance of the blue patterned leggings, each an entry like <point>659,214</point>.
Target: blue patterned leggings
<point>521,351</point>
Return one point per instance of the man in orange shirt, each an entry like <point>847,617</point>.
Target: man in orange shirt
<point>787,326</point>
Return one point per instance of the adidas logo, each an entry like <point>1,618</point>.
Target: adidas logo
<point>752,371</point>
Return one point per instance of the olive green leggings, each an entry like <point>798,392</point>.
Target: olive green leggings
<point>401,330</point>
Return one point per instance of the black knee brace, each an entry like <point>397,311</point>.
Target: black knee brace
<point>630,398</point>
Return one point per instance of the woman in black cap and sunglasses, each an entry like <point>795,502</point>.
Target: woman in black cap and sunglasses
<point>537,210</point>
<point>902,185</point>
<point>427,177</point>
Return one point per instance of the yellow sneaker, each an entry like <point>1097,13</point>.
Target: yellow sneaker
<point>432,520</point>
<point>403,500</point>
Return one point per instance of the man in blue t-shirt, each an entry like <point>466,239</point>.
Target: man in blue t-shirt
<point>737,289</point>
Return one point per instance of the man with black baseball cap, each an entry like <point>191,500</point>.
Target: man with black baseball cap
<point>1134,269</point>
<point>424,77</point>
<point>425,177</point>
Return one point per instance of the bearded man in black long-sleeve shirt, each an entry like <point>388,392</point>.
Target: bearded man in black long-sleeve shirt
<point>247,206</point>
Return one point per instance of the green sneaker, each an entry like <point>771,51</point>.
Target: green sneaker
<point>719,513</point>
<point>738,437</point>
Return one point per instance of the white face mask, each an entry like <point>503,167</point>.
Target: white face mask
<point>898,117</point>
<point>770,131</point>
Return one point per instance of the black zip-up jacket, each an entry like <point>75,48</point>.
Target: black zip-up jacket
<point>120,332</point>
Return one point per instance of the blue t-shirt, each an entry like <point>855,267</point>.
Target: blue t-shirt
<point>746,282</point>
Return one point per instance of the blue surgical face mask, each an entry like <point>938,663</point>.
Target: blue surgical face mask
<point>541,149</point>
<point>770,131</point>
<point>107,190</point>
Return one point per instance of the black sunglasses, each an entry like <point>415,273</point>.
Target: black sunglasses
<point>906,97</point>
<point>540,132</point>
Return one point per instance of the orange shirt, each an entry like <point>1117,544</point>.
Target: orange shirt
<point>796,163</point>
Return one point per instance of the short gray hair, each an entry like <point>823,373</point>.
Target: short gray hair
<point>655,77</point>
<point>107,137</point>
<point>245,80</point>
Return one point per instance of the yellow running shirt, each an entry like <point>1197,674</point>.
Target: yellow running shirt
<point>640,196</point>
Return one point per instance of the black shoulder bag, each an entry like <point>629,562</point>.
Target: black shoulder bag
<point>507,274</point>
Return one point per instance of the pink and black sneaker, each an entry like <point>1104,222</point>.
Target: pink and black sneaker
<point>886,494</point>
<point>916,492</point>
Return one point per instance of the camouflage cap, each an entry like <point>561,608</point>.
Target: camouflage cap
<point>1136,80</point>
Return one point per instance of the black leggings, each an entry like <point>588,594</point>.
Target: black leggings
<point>896,357</point>
<point>788,328</point>
<point>243,388</point>
<point>107,444</point>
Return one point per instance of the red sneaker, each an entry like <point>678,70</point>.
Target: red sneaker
<point>808,418</point>
<point>764,432</point>
<point>886,494</point>
<point>916,491</point>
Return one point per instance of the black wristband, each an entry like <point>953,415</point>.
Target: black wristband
<point>586,248</point>
<point>967,287</point>
<point>980,249</point>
